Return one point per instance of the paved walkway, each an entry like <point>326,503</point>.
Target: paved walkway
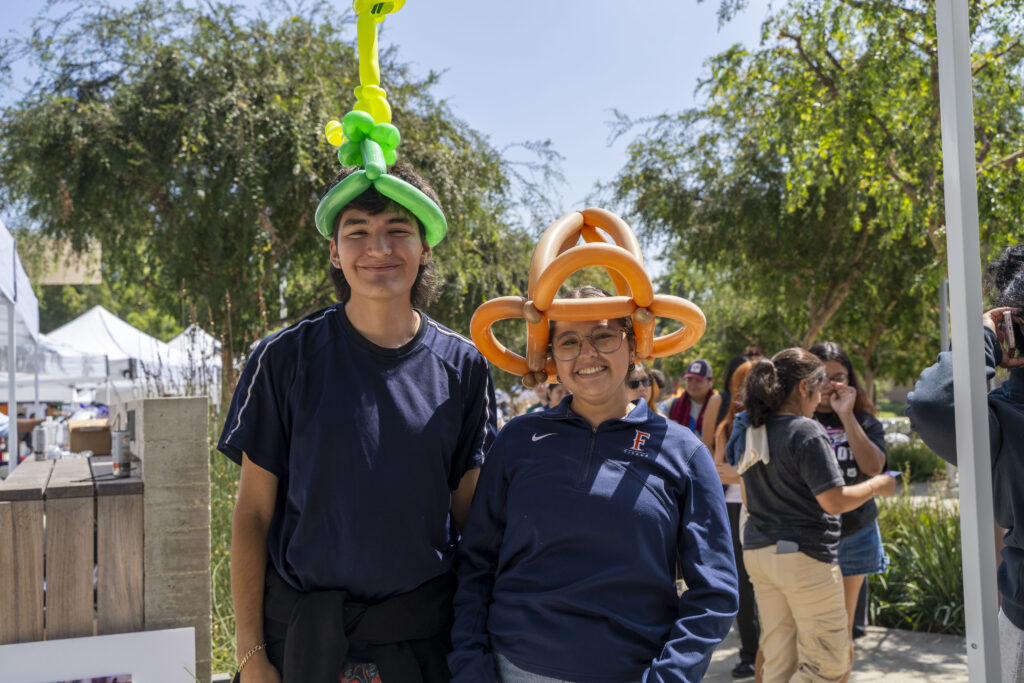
<point>885,655</point>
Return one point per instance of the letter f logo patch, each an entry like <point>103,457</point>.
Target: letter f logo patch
<point>639,440</point>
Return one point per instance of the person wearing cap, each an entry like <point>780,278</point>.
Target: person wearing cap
<point>689,409</point>
<point>360,430</point>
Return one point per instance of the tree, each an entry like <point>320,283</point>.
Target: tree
<point>810,177</point>
<point>189,142</point>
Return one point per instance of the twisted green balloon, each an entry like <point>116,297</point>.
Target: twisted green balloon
<point>373,146</point>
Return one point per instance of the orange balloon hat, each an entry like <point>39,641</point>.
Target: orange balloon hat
<point>556,257</point>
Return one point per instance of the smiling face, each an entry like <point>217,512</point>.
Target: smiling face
<point>697,388</point>
<point>597,379</point>
<point>380,254</point>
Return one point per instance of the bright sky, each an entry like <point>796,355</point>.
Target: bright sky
<point>547,70</point>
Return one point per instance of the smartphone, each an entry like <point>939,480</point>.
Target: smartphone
<point>1011,341</point>
<point>895,474</point>
<point>786,547</point>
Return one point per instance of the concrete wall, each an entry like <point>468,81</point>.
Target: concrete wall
<point>170,439</point>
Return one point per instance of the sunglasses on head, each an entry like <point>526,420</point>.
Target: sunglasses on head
<point>636,383</point>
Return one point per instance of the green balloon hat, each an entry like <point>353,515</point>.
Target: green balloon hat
<point>366,138</point>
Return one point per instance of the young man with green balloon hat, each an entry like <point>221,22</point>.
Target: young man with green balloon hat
<point>360,430</point>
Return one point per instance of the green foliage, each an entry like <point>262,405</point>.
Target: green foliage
<point>223,491</point>
<point>923,589</point>
<point>803,198</point>
<point>188,141</point>
<point>917,459</point>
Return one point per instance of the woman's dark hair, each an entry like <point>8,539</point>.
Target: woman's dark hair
<point>643,370</point>
<point>427,286</point>
<point>592,292</point>
<point>754,351</point>
<point>831,351</point>
<point>1007,274</point>
<point>771,382</point>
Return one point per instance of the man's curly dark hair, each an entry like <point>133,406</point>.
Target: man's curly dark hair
<point>1007,274</point>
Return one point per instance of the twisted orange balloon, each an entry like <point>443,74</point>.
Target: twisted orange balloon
<point>556,257</point>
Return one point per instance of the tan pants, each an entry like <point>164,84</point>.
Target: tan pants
<point>804,634</point>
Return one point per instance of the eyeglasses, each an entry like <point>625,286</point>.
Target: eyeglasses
<point>840,378</point>
<point>604,340</point>
<point>636,383</point>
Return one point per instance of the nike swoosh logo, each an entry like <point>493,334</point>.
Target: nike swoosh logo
<point>536,437</point>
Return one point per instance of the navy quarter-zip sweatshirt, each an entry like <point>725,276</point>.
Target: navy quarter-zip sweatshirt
<point>932,417</point>
<point>567,563</point>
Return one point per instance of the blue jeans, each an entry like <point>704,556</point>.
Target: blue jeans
<point>861,552</point>
<point>510,673</point>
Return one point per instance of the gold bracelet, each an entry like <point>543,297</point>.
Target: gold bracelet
<point>872,487</point>
<point>250,653</point>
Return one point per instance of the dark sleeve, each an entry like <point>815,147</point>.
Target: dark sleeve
<point>817,462</point>
<point>930,405</point>
<point>471,660</point>
<point>257,421</point>
<point>707,607</point>
<point>479,420</point>
<point>737,440</point>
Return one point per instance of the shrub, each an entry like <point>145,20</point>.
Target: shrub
<point>914,456</point>
<point>923,589</point>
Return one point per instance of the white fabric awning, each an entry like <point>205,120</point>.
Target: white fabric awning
<point>15,287</point>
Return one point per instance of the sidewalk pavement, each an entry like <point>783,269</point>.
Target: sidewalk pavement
<point>885,655</point>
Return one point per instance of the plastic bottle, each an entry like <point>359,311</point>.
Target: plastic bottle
<point>51,430</point>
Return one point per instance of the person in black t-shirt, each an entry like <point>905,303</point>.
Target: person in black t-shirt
<point>795,492</point>
<point>360,431</point>
<point>858,440</point>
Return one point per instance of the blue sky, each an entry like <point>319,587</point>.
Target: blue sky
<point>547,70</point>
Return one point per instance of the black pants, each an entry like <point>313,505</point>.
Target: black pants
<point>746,617</point>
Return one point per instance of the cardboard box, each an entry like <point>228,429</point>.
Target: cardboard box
<point>90,435</point>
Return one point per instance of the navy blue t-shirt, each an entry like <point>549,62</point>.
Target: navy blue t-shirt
<point>367,444</point>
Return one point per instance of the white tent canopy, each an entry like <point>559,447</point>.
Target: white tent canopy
<point>19,319</point>
<point>62,371</point>
<point>196,342</point>
<point>130,352</point>
<point>138,363</point>
<point>15,288</point>
<point>202,351</point>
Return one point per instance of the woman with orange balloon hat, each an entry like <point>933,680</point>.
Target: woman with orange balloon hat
<point>583,511</point>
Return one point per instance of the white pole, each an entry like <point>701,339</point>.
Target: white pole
<point>12,391</point>
<point>36,411</point>
<point>970,395</point>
